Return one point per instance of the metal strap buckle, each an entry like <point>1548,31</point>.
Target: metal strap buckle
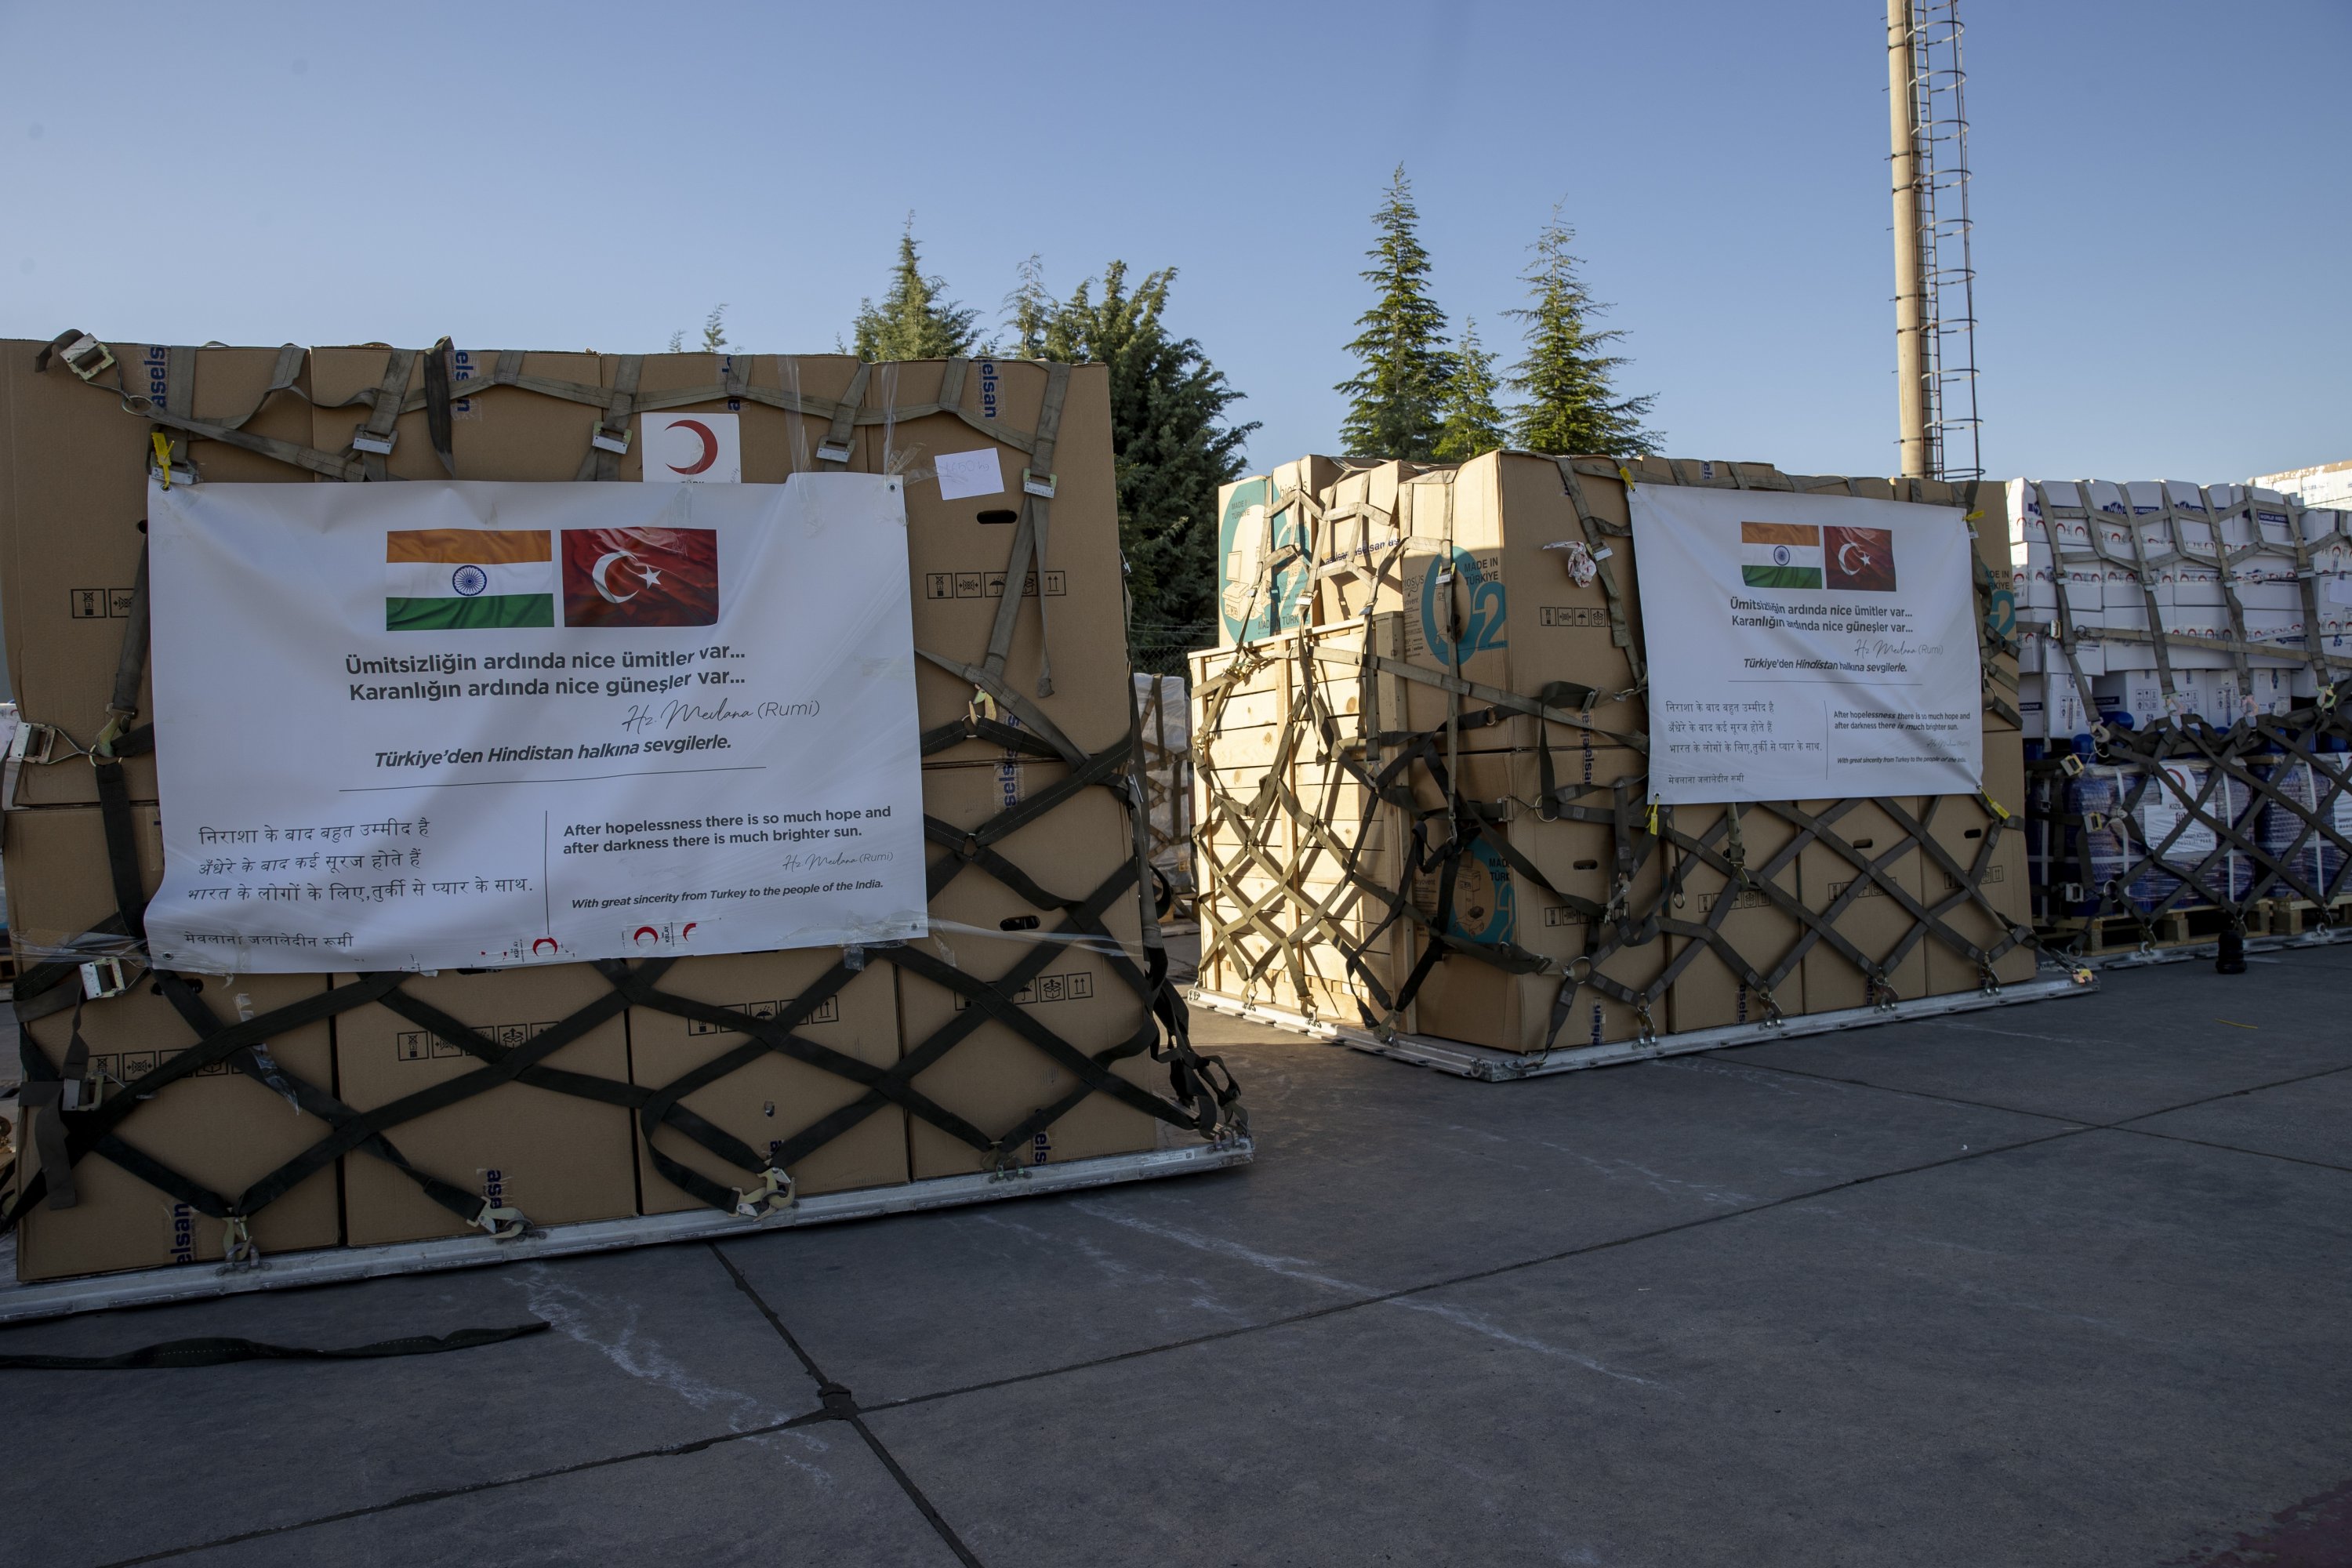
<point>105,977</point>
<point>604,438</point>
<point>502,1224</point>
<point>366,440</point>
<point>34,744</point>
<point>832,451</point>
<point>1039,485</point>
<point>237,1251</point>
<point>85,357</point>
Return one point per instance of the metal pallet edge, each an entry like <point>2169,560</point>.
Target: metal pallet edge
<point>1491,1066</point>
<point>154,1287</point>
<point>2139,958</point>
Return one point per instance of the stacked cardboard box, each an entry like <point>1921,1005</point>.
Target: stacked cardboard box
<point>1482,580</point>
<point>2220,565</point>
<point>1002,977</point>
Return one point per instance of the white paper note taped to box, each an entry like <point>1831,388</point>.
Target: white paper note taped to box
<point>966,474</point>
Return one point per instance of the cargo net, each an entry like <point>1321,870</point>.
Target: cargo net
<point>79,1112</point>
<point>1276,932</point>
<point>2209,801</point>
<point>1163,722</point>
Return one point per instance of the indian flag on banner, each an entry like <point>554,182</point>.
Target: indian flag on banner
<point>463,579</point>
<point>1780,555</point>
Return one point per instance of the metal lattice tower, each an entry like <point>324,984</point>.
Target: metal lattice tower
<point>1936,303</point>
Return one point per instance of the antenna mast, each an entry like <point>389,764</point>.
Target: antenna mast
<point>1935,281</point>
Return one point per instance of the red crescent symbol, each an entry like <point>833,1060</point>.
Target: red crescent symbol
<point>710,445</point>
<point>544,942</point>
<point>645,931</point>
<point>688,930</point>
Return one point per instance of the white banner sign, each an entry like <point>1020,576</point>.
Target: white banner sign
<point>439,726</point>
<point>1806,647</point>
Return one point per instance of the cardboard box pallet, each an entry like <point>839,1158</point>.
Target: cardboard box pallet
<point>1470,572</point>
<point>70,498</point>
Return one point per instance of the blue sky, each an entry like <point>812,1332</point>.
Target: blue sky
<point>2163,192</point>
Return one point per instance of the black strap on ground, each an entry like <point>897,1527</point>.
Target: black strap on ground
<point>221,1351</point>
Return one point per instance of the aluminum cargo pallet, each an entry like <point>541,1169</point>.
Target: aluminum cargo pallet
<point>1497,1067</point>
<point>2139,957</point>
<point>152,1287</point>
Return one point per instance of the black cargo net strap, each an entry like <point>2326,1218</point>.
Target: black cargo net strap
<point>223,1351</point>
<point>1276,929</point>
<point>2189,818</point>
<point>79,1115</point>
<point>1280,924</point>
<point>1205,1099</point>
<point>2186,813</point>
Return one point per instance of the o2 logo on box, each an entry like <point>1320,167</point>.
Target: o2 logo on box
<point>691,449</point>
<point>1247,536</point>
<point>2000,611</point>
<point>1484,904</point>
<point>1474,608</point>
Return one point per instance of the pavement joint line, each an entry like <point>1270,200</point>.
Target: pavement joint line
<point>2228,1148</point>
<point>1473,1277</point>
<point>2071,1128</point>
<point>2124,1125</point>
<point>443,1494</point>
<point>830,1411</point>
<point>840,1404</point>
<point>843,1408</point>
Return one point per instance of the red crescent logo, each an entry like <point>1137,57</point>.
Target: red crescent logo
<point>547,942</point>
<point>710,445</point>
<point>688,930</point>
<point>644,932</point>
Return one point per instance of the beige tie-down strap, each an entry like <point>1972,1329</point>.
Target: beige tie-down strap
<point>78,1114</point>
<point>2238,818</point>
<point>1250,938</point>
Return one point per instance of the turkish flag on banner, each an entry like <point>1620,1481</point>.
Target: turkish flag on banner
<point>640,577</point>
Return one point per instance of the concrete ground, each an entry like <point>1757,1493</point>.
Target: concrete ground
<point>2069,1283</point>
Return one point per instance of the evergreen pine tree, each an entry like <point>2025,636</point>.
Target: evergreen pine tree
<point>1170,443</point>
<point>1396,401</point>
<point>1028,308</point>
<point>1571,406</point>
<point>1473,422</point>
<point>912,321</point>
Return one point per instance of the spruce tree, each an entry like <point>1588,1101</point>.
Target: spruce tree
<point>1170,442</point>
<point>1396,401</point>
<point>913,321</point>
<point>1029,309</point>
<point>1571,406</point>
<point>1473,422</point>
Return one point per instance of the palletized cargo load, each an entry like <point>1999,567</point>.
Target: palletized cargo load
<point>1164,734</point>
<point>336,1120</point>
<point>1431,816</point>
<point>2186,758</point>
